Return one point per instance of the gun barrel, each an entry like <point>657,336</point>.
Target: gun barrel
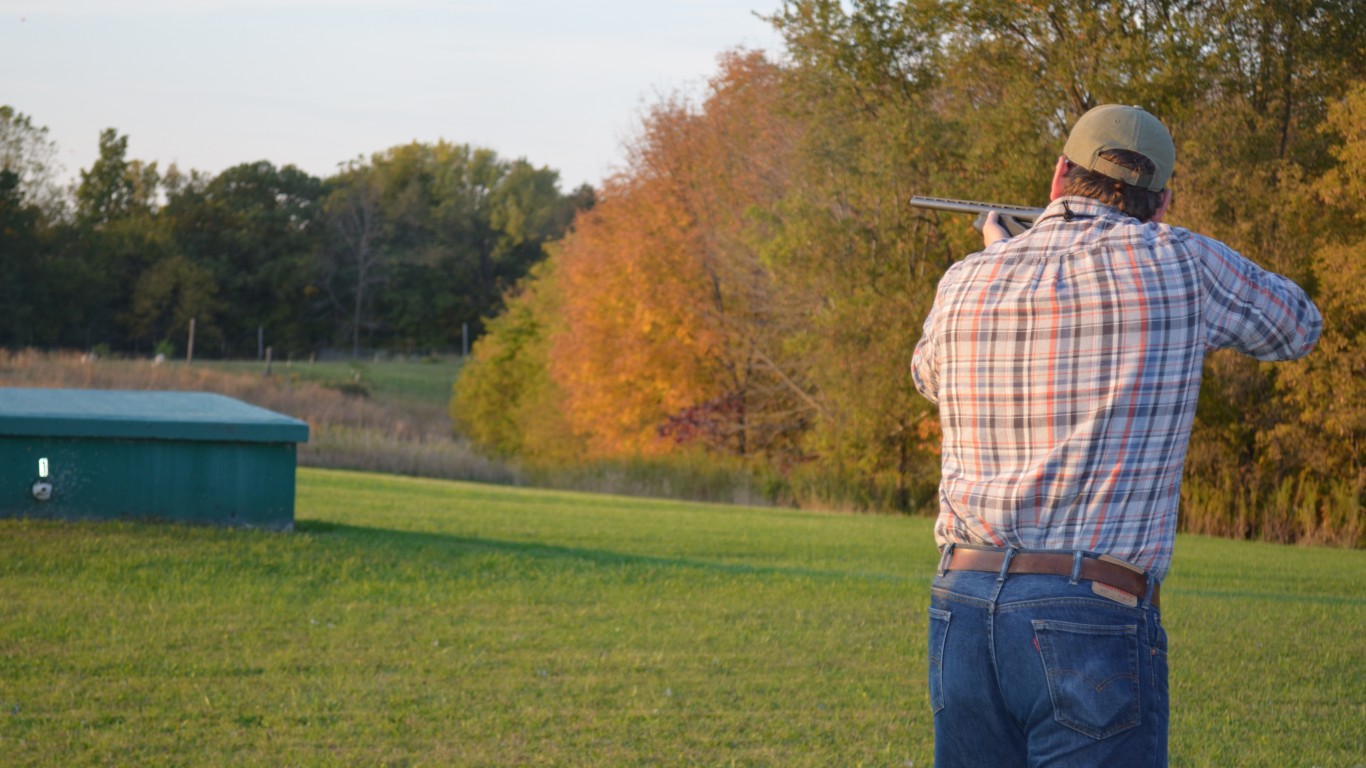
<point>1021,212</point>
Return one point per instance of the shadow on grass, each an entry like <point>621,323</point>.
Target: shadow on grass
<point>413,541</point>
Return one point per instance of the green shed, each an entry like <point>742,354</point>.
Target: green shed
<point>80,454</point>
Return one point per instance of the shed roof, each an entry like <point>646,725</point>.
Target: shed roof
<point>142,415</point>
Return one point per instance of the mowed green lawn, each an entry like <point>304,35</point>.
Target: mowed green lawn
<point>403,383</point>
<point>424,623</point>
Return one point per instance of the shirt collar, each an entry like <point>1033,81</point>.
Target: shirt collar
<point>1081,207</point>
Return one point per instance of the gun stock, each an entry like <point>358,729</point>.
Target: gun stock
<point>1015,218</point>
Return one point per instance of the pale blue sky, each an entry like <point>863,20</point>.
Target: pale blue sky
<point>208,84</point>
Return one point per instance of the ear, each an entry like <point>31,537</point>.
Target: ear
<point>1163,206</point>
<point>1059,171</point>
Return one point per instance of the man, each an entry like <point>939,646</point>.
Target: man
<point>1066,364</point>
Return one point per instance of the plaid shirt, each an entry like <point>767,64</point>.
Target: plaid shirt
<point>1066,364</point>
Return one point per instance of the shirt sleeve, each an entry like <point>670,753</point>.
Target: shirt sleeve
<point>925,361</point>
<point>1253,311</point>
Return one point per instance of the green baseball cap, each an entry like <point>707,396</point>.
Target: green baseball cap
<point>1115,126</point>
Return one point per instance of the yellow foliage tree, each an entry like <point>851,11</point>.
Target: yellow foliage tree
<point>504,399</point>
<point>1328,388</point>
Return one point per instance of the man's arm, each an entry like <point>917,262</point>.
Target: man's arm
<point>925,362</point>
<point>993,229</point>
<point>1253,311</point>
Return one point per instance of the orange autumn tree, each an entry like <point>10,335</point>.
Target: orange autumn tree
<point>631,349</point>
<point>665,298</point>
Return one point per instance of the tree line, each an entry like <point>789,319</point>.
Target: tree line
<point>409,249</point>
<point>751,285</point>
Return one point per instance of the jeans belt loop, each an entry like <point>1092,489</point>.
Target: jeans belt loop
<point>1005,565</point>
<point>945,559</point>
<point>1076,566</point>
<point>1151,587</point>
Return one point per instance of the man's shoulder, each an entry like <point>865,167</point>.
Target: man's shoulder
<point>1203,245</point>
<point>973,262</point>
<point>1152,234</point>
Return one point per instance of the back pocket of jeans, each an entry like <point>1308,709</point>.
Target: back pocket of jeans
<point>1092,675</point>
<point>939,632</point>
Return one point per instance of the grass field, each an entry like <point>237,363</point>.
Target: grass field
<point>426,623</point>
<point>424,387</point>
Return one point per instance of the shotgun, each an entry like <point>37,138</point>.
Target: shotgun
<point>1015,218</point>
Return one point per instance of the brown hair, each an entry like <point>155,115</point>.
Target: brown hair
<point>1135,201</point>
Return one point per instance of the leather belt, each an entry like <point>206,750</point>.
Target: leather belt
<point>1112,573</point>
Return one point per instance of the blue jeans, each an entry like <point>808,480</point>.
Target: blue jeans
<point>1036,670</point>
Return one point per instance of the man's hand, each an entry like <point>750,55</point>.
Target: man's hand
<point>992,229</point>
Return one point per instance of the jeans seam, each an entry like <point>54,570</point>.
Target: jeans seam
<point>957,598</point>
<point>1132,614</point>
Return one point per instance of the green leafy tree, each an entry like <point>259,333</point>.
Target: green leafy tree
<point>356,259</point>
<point>865,92</point>
<point>28,153</point>
<point>256,229</point>
<point>44,288</point>
<point>429,237</point>
<point>119,236</point>
<point>169,295</point>
<point>115,188</point>
<point>19,243</point>
<point>440,238</point>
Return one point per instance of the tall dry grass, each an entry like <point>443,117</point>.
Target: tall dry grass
<point>345,431</point>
